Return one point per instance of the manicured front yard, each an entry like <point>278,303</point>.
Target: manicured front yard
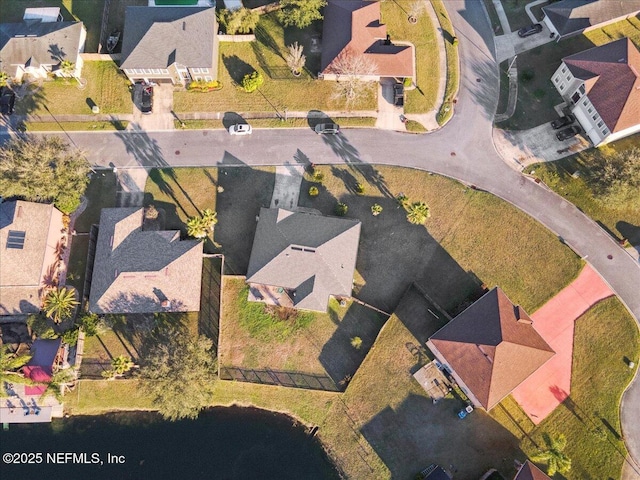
<point>471,238</point>
<point>537,95</point>
<point>453,63</point>
<point>516,14</point>
<point>315,343</point>
<point>605,338</point>
<point>280,91</point>
<point>106,87</point>
<point>620,218</point>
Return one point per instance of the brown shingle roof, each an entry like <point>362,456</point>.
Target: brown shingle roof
<point>529,471</point>
<point>22,270</point>
<point>354,25</point>
<point>311,254</point>
<point>135,270</point>
<point>573,16</point>
<point>611,73</point>
<point>492,346</point>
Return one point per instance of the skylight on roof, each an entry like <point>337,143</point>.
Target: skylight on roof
<point>16,239</point>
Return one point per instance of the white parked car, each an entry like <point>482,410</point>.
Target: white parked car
<point>240,129</point>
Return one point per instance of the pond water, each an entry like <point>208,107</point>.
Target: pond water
<point>223,443</point>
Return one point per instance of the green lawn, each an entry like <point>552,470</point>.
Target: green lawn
<point>604,337</point>
<point>453,63</point>
<point>313,343</point>
<point>516,13</point>
<point>423,36</point>
<point>75,126</point>
<point>622,219</point>
<point>106,87</point>
<point>537,96</point>
<point>276,123</point>
<point>87,11</point>
<point>280,91</point>
<point>466,242</point>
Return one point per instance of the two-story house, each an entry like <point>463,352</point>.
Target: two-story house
<point>602,87</point>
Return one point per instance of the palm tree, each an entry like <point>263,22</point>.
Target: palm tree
<point>295,59</point>
<point>121,364</point>
<point>9,363</point>
<point>60,303</point>
<point>58,382</point>
<point>376,209</point>
<point>553,456</point>
<point>196,228</point>
<point>68,68</point>
<point>418,213</point>
<point>209,218</point>
<point>4,79</point>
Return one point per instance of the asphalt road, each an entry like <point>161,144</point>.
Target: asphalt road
<point>462,150</point>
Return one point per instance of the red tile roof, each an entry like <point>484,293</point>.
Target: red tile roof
<point>611,73</point>
<point>492,346</point>
<point>354,25</point>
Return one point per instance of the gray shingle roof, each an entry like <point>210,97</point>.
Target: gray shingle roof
<point>492,346</point>
<point>136,270</point>
<point>22,269</point>
<point>38,43</point>
<point>157,37</point>
<point>573,16</point>
<point>311,254</point>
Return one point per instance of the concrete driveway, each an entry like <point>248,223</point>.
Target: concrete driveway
<point>388,113</point>
<point>161,117</point>
<point>510,44</point>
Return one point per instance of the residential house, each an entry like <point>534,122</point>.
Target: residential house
<point>528,471</point>
<point>143,271</point>
<point>353,28</point>
<point>490,348</point>
<point>602,87</point>
<point>37,46</point>
<point>572,17</point>
<point>170,44</point>
<point>299,260</point>
<point>31,244</point>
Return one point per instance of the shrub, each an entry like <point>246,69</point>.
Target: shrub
<point>527,75</point>
<point>402,199</point>
<point>454,41</point>
<point>341,209</point>
<point>202,86</point>
<point>318,176</point>
<point>356,342</point>
<point>242,20</point>
<point>68,203</point>
<point>539,93</point>
<point>252,81</point>
<point>151,212</point>
<point>407,82</point>
<point>41,326</point>
<point>70,337</point>
<point>89,323</point>
<point>360,188</point>
<point>376,209</point>
<point>313,191</point>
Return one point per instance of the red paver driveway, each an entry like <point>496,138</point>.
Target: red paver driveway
<point>543,391</point>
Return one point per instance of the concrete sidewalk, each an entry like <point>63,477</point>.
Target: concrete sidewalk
<point>550,385</point>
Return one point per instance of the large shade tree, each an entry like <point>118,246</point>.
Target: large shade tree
<point>43,169</point>
<point>180,370</point>
<point>300,13</point>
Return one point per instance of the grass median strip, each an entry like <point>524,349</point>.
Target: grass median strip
<point>75,126</point>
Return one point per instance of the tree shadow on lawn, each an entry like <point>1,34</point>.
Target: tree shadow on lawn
<point>417,433</point>
<point>394,253</point>
<point>243,192</point>
<point>338,357</point>
<point>236,67</point>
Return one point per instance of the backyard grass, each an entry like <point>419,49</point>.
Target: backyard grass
<point>516,14</point>
<point>493,18</point>
<point>75,126</point>
<point>115,21</point>
<point>280,91</point>
<point>87,11</point>
<point>316,343</point>
<point>106,87</point>
<point>453,63</point>
<point>538,96</point>
<point>472,238</point>
<point>423,36</point>
<point>622,219</point>
<point>605,338</point>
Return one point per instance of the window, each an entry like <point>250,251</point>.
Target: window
<point>600,123</point>
<point>582,89</point>
<point>595,116</point>
<point>590,109</point>
<point>16,239</point>
<point>568,78</point>
<point>561,87</point>
<point>564,70</point>
<point>585,101</point>
<point>208,78</point>
<point>164,71</point>
<point>156,71</point>
<point>195,70</point>
<point>575,97</point>
<point>557,79</point>
<point>198,78</point>
<point>605,131</point>
<point>204,70</point>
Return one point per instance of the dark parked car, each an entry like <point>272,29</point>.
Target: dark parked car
<point>398,95</point>
<point>143,96</point>
<point>563,122</point>
<point>568,133</point>
<point>7,101</point>
<point>327,128</point>
<point>530,30</point>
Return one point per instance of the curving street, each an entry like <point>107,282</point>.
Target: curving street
<point>462,150</point>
